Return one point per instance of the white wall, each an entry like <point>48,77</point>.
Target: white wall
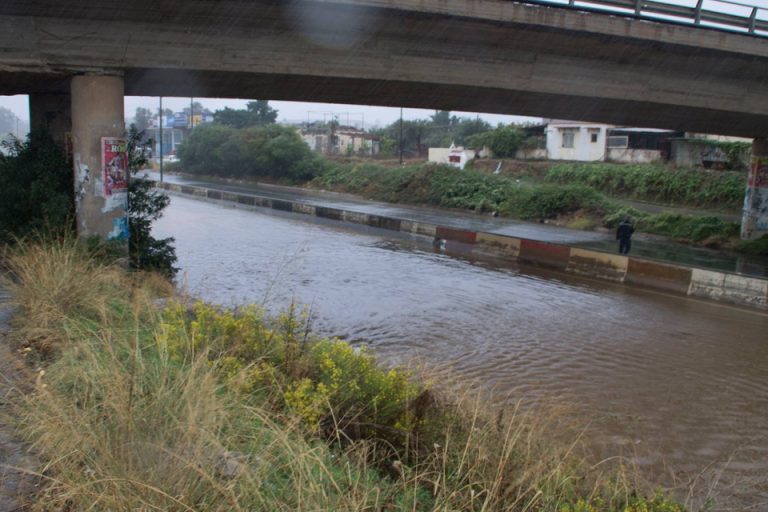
<point>633,156</point>
<point>439,155</point>
<point>531,154</point>
<point>583,149</point>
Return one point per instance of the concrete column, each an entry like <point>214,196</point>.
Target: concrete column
<point>97,111</point>
<point>53,113</point>
<point>754,221</point>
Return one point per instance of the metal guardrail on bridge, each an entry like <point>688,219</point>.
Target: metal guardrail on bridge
<point>721,14</point>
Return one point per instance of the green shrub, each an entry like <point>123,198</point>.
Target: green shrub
<point>503,140</point>
<point>263,151</point>
<point>757,247</point>
<point>36,188</point>
<point>723,190</point>
<point>692,228</point>
<point>550,201</point>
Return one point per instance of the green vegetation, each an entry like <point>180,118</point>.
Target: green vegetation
<point>504,141</point>
<point>146,205</point>
<point>440,130</point>
<point>256,113</point>
<point>36,188</point>
<point>578,206</point>
<point>269,151</point>
<point>657,183</point>
<point>200,408</point>
<point>446,186</point>
<point>36,196</point>
<point>757,247</point>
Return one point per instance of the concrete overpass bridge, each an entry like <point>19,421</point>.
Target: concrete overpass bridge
<point>78,58</point>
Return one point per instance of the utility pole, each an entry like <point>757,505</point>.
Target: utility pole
<point>191,113</point>
<point>161,139</point>
<point>401,135</point>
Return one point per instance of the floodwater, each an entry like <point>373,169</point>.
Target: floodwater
<point>678,385</point>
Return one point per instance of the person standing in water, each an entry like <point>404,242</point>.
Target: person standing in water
<point>624,235</point>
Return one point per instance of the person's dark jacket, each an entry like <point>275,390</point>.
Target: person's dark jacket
<point>625,231</point>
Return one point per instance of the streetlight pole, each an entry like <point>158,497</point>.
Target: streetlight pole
<point>161,139</point>
<point>401,135</point>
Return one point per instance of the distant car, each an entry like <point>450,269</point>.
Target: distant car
<point>171,159</point>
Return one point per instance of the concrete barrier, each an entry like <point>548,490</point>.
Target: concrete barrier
<point>456,235</point>
<point>418,228</point>
<point>497,245</point>
<point>544,253</point>
<point>355,217</point>
<point>329,213</point>
<point>390,223</point>
<point>284,206</point>
<point>712,285</point>
<point>601,265</point>
<point>655,274</point>
<point>304,209</point>
<point>728,288</point>
<point>246,200</point>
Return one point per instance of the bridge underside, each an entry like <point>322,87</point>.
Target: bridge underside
<point>394,93</point>
<point>485,56</point>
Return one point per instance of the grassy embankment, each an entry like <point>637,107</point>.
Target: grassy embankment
<point>140,406</point>
<point>567,194</point>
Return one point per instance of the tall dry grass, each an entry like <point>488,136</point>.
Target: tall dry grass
<point>51,280</point>
<point>122,425</point>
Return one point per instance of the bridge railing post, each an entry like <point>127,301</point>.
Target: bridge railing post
<point>697,16</point>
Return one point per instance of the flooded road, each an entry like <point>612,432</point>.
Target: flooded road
<point>678,384</point>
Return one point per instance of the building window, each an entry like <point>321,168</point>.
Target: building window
<point>593,135</point>
<point>618,141</point>
<point>569,137</point>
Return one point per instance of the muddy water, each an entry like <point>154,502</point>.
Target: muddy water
<point>679,385</point>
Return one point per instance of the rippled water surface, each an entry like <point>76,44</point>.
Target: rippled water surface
<point>681,385</point>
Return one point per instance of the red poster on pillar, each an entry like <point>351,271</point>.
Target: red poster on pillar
<point>114,164</point>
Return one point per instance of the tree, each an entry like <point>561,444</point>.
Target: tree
<point>259,151</point>
<point>257,113</point>
<point>146,205</point>
<point>441,118</point>
<point>142,119</point>
<point>7,121</point>
<point>197,108</point>
<point>503,140</point>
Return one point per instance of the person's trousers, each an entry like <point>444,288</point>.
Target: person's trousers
<point>624,245</point>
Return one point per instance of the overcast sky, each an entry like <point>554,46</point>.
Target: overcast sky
<point>287,110</point>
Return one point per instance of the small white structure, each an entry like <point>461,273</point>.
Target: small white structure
<point>570,140</point>
<point>455,156</point>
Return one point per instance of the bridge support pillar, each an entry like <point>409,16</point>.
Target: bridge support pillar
<point>754,222</point>
<point>99,157</point>
<point>51,112</point>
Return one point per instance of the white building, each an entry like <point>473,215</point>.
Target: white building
<point>593,142</point>
<point>455,156</point>
<point>571,140</point>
